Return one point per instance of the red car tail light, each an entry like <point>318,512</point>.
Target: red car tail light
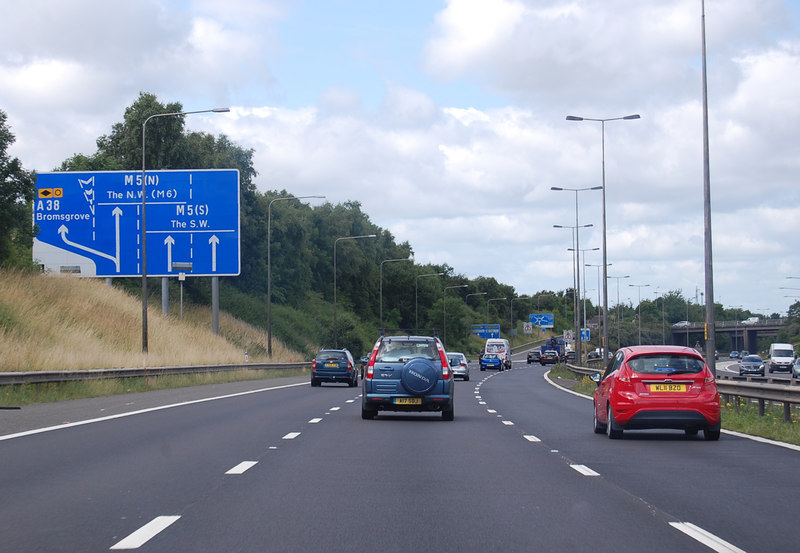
<point>370,372</point>
<point>314,365</point>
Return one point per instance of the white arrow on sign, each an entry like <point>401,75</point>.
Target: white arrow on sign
<point>63,230</point>
<point>213,241</point>
<point>169,241</point>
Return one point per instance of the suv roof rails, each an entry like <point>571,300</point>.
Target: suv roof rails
<point>411,331</point>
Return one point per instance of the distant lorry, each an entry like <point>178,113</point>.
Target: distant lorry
<point>781,357</point>
<point>555,344</point>
<point>499,348</point>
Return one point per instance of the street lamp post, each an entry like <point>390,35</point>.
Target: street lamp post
<point>335,242</point>
<point>144,210</point>
<point>444,310</point>
<point>576,311</point>
<point>381,286</point>
<point>269,265</point>
<point>605,249</point>
<point>416,297</point>
<point>639,307</point>
<point>604,318</point>
<point>467,302</point>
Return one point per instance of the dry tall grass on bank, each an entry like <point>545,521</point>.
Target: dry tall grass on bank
<point>68,323</point>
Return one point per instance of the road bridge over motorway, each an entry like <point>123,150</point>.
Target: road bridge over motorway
<point>743,336</point>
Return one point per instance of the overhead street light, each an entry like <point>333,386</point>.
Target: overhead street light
<point>269,265</point>
<point>618,279</point>
<point>511,311</point>
<point>335,242</point>
<point>639,307</point>
<point>605,232</point>
<point>144,210</point>
<point>416,296</point>
<point>576,279</point>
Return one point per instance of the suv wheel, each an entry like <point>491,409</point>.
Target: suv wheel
<point>368,414</point>
<point>448,414</point>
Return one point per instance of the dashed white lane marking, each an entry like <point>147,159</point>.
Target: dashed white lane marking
<point>145,533</point>
<point>584,470</point>
<point>242,467</point>
<point>291,435</point>
<point>314,421</point>
<point>508,423</point>
<point>335,408</point>
<point>706,538</point>
<point>531,438</point>
<point>350,401</point>
<point>492,411</point>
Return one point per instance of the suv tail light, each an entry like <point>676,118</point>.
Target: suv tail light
<point>314,365</point>
<point>369,373</point>
<point>443,359</point>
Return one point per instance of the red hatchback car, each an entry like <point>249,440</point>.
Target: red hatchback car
<point>657,387</point>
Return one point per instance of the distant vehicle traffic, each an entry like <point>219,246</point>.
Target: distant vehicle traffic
<point>548,357</point>
<point>751,364</point>
<point>334,365</point>
<point>407,373</point>
<point>734,355</point>
<point>681,324</point>
<point>796,368</point>
<point>533,356</point>
<point>781,357</point>
<point>750,321</point>
<point>502,348</point>
<point>459,365</point>
<point>492,361</point>
<point>657,387</point>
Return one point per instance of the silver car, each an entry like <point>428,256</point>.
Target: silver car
<point>459,365</point>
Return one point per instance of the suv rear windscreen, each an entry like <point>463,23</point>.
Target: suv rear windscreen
<point>401,350</point>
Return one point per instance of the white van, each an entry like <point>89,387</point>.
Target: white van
<point>781,357</point>
<point>502,348</point>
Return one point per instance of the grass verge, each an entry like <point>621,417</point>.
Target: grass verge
<point>743,418</point>
<point>27,394</point>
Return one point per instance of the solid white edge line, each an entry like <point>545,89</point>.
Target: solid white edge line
<point>242,467</point>
<point>584,470</point>
<point>142,411</point>
<point>729,432</point>
<point>145,533</point>
<point>706,538</point>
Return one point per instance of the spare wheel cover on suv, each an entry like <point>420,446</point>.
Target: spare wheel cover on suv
<point>420,375</point>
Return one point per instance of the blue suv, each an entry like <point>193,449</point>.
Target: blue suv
<point>407,373</point>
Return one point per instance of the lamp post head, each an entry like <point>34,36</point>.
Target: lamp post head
<point>221,110</point>
<point>634,116</point>
<point>574,118</point>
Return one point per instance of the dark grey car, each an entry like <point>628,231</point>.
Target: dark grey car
<point>751,364</point>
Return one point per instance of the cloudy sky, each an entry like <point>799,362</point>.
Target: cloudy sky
<point>447,121</point>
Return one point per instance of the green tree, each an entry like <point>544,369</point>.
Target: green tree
<point>16,197</point>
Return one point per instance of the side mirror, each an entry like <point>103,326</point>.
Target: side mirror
<point>596,377</point>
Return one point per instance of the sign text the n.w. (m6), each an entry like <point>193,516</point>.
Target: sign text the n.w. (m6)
<point>90,223</point>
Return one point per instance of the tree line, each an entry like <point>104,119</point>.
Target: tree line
<point>371,282</point>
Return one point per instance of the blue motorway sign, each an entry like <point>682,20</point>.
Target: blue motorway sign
<point>543,320</point>
<point>486,330</point>
<point>90,223</point>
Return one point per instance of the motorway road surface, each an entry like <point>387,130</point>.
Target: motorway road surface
<point>279,466</point>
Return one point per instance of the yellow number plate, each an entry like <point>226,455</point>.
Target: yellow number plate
<point>668,387</point>
<point>408,401</point>
<point>332,365</point>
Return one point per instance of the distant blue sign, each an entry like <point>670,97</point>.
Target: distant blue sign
<point>543,320</point>
<point>486,330</point>
<point>91,223</point>
<point>585,335</point>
